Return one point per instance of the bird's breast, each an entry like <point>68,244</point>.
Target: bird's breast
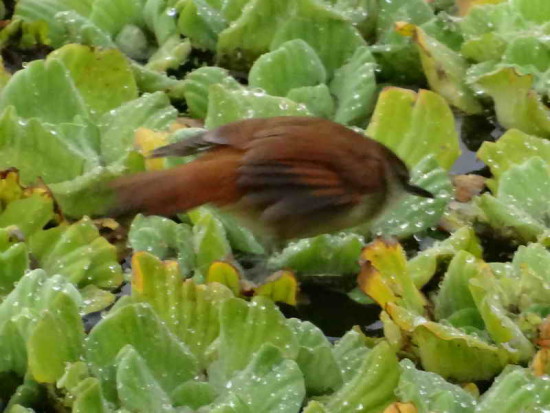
<point>300,225</point>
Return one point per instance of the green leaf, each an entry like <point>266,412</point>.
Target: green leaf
<point>240,238</point>
<point>530,55</point>
<point>14,263</point>
<point>95,299</point>
<point>13,346</point>
<point>78,253</point>
<point>194,394</point>
<point>232,9</point>
<point>57,339</point>
<point>349,352</point>
<point>413,11</point>
<point>244,328</point>
<point>168,359</point>
<point>521,208</point>
<point>425,125</point>
<point>81,30</point>
<point>87,194</point>
<point>196,86</point>
<point>453,354</point>
<point>190,311</point>
<point>251,33</point>
<point>170,55</point>
<point>38,150</point>
<point>512,148</point>
<point>397,55</point>
<point>317,100</point>
<point>532,264</point>
<point>424,265</point>
<point>537,11</point>
<point>138,390</point>
<point>28,214</point>
<point>362,13</point>
<point>414,214</point>
<point>445,70</point>
<point>502,329</point>
<point>516,104</point>
<point>89,397</point>
<point>334,38</point>
<point>83,139</point>
<point>73,375</point>
<point>487,47</point>
<point>46,10</point>
<point>23,308</point>
<point>486,18</point>
<point>454,291</point>
<point>164,238</point>
<point>227,105</point>
<point>150,81</point>
<point>293,64</point>
<point>17,408</point>
<point>515,390</point>
<point>82,391</point>
<point>113,15</point>
<point>152,111</point>
<point>44,90</point>
<point>448,351</point>
<point>325,254</point>
<point>430,392</point>
<point>354,86</point>
<point>209,239</point>
<point>315,358</point>
<point>372,389</point>
<point>202,23</point>
<point>103,77</point>
<point>160,16</point>
<point>132,41</point>
<point>279,388</point>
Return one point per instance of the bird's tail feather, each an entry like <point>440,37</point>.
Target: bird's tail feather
<point>178,189</point>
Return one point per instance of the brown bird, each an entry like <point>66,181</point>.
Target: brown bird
<point>285,177</point>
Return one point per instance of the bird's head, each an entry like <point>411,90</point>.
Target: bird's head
<point>399,175</point>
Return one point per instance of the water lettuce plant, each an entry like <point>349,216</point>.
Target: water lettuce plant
<point>191,313</point>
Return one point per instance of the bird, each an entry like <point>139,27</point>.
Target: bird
<point>284,177</point>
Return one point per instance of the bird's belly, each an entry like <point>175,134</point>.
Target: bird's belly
<point>299,225</point>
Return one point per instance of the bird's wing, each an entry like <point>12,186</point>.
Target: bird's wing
<point>238,135</point>
<point>190,146</point>
<point>289,174</point>
<point>284,189</point>
<point>293,165</point>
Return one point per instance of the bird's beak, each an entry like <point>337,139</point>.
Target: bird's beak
<point>416,190</point>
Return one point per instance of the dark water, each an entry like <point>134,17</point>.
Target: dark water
<point>332,311</point>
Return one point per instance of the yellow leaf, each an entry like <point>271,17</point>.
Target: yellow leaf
<point>226,274</point>
<point>541,362</point>
<point>398,407</point>
<point>405,28</point>
<point>385,278</point>
<point>280,287</point>
<point>147,140</point>
<point>472,389</point>
<point>372,283</point>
